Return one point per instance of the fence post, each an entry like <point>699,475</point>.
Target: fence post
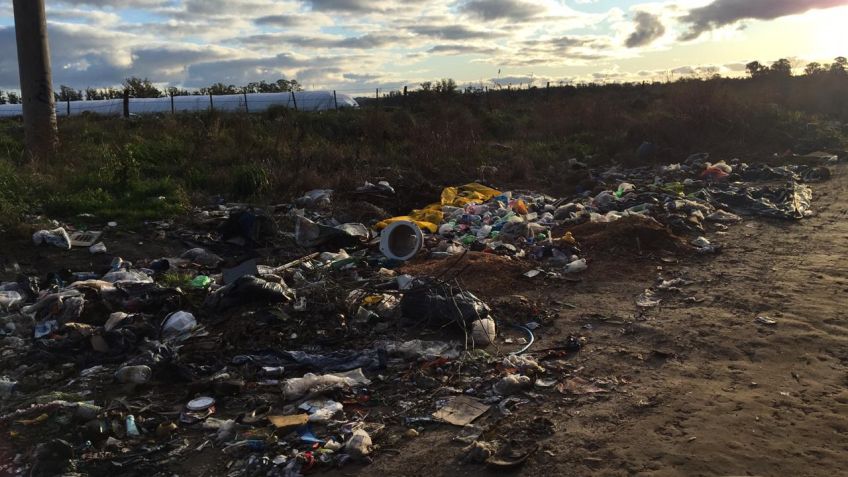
<point>172,104</point>
<point>126,103</point>
<point>335,100</point>
<point>69,107</point>
<point>211,106</point>
<point>246,109</point>
<point>294,100</point>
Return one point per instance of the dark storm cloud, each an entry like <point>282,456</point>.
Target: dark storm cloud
<point>726,12</point>
<point>513,10</point>
<point>648,28</point>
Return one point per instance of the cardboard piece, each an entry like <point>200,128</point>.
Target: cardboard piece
<point>295,420</point>
<point>461,411</point>
<point>84,239</point>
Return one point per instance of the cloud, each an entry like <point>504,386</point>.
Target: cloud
<point>454,32</point>
<point>364,42</point>
<point>117,3</point>
<point>727,12</point>
<point>283,20</point>
<point>648,28</point>
<point>462,50</point>
<point>512,10</point>
<point>342,5</point>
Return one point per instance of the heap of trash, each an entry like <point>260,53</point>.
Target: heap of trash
<point>323,352</point>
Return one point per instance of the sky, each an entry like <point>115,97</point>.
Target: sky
<point>357,46</point>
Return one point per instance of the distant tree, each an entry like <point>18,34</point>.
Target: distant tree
<point>92,94</point>
<point>66,93</point>
<point>2,97</point>
<point>219,89</point>
<point>813,68</point>
<point>141,88</point>
<point>288,85</point>
<point>427,86</point>
<point>839,66</point>
<point>13,97</point>
<point>781,68</point>
<point>756,69</point>
<point>446,86</point>
<point>174,91</point>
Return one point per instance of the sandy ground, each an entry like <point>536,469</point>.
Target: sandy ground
<point>698,387</point>
<point>706,391</point>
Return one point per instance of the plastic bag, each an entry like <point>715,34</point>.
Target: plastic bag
<point>56,237</point>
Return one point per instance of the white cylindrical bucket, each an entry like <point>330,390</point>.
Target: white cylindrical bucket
<point>401,240</point>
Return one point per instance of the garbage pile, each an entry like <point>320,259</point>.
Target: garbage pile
<point>270,368</point>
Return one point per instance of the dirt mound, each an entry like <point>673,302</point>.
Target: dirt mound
<point>485,274</point>
<point>628,236</point>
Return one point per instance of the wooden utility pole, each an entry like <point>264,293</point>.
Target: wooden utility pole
<point>39,107</point>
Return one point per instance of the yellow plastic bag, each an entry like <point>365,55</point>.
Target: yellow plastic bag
<point>431,216</point>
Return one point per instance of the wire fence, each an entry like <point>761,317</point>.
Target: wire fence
<point>246,102</point>
<point>255,102</point>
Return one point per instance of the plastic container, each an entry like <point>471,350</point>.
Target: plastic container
<point>401,240</point>
<point>133,374</point>
<point>577,266</point>
<point>178,323</point>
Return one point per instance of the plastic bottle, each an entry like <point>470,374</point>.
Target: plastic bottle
<point>484,232</point>
<point>10,299</point>
<point>446,228</point>
<point>132,429</point>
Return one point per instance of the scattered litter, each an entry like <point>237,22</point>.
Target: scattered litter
<point>99,247</point>
<point>578,386</point>
<point>647,299</point>
<point>764,320</point>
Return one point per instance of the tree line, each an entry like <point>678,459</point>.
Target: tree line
<point>144,88</point>
<point>783,68</point>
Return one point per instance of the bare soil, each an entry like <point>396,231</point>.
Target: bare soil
<point>703,389</point>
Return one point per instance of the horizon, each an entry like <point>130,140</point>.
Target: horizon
<point>354,46</point>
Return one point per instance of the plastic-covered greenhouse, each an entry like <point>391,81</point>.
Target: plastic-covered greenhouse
<point>253,103</point>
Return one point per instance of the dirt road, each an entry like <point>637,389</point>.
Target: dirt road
<point>704,389</point>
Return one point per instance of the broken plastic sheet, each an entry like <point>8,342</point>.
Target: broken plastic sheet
<point>431,216</point>
<point>798,173</point>
<point>312,384</point>
<point>791,202</point>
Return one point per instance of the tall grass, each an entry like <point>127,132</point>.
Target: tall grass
<point>154,167</point>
